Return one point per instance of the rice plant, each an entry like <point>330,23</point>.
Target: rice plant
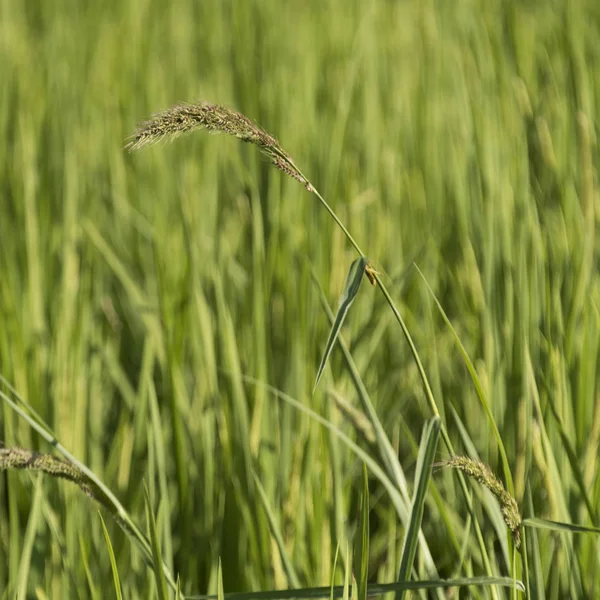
<point>167,314</point>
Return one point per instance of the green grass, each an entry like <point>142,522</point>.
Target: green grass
<point>159,311</point>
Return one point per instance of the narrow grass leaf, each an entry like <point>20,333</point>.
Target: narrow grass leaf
<point>373,466</point>
<point>373,589</point>
<point>347,575</point>
<point>220,588</point>
<point>536,577</point>
<point>425,458</point>
<point>159,575</point>
<point>113,562</point>
<point>387,452</point>
<point>351,287</point>
<point>109,501</point>
<point>478,387</point>
<point>30,534</point>
<point>276,533</point>
<point>558,526</point>
<point>335,559</point>
<point>361,551</point>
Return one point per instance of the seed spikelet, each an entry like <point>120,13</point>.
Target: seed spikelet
<point>186,118</point>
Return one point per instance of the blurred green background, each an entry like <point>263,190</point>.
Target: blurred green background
<point>138,292</point>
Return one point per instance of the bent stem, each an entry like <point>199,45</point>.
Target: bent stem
<point>426,386</point>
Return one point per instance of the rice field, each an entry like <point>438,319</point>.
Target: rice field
<point>164,312</point>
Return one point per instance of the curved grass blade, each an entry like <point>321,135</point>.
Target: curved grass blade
<point>427,449</point>
<point>347,575</point>
<point>535,589</point>
<point>276,533</point>
<point>351,287</point>
<point>110,501</point>
<point>113,562</point>
<point>559,526</point>
<point>478,387</point>
<point>371,463</point>
<point>159,575</point>
<point>387,452</point>
<point>335,559</point>
<point>30,534</point>
<point>373,589</point>
<point>220,589</point>
<point>361,552</point>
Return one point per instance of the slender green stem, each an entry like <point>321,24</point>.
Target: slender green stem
<point>336,219</point>
<point>427,388</point>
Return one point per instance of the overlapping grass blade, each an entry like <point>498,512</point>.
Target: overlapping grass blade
<point>351,287</point>
<point>538,523</point>
<point>276,533</point>
<point>107,498</point>
<point>159,575</point>
<point>372,465</point>
<point>361,542</point>
<point>333,571</point>
<point>30,534</point>
<point>373,589</point>
<point>220,588</point>
<point>425,458</point>
<point>479,388</point>
<point>113,561</point>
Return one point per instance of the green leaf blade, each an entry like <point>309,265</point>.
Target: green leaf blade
<point>351,287</point>
<point>157,562</point>
<point>361,553</point>
<point>426,456</point>
<point>113,560</point>
<point>558,526</point>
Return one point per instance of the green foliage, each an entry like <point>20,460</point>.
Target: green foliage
<point>425,458</point>
<point>144,295</point>
<point>353,280</point>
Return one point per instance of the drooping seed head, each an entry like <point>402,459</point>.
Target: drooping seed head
<point>186,118</point>
<point>482,473</point>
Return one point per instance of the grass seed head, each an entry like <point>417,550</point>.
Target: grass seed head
<point>186,118</point>
<point>482,473</point>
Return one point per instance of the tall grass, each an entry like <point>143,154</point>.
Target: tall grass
<point>140,295</point>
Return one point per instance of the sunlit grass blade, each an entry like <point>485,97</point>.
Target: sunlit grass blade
<point>347,577</point>
<point>333,571</point>
<point>372,465</point>
<point>109,500</point>
<point>573,462</point>
<point>276,533</point>
<point>478,387</point>
<point>351,287</point>
<point>388,455</point>
<point>425,458</point>
<point>536,579</point>
<point>113,562</point>
<point>220,588</point>
<point>373,589</point>
<point>361,542</point>
<point>558,526</point>
<point>159,575</point>
<point>30,534</point>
